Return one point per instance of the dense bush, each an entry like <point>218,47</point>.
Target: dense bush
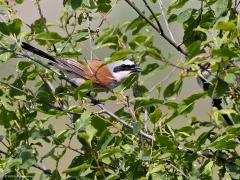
<point>136,141</point>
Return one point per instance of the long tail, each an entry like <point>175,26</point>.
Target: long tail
<point>39,52</point>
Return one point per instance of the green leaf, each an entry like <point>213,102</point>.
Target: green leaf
<point>186,106</point>
<point>156,169</point>
<point>15,27</point>
<point>78,168</point>
<point>104,7</point>
<point>49,36</point>
<point>136,127</point>
<point>224,144</point>
<point>172,18</point>
<point>155,116</point>
<point>225,52</point>
<point>176,5</point>
<point>203,138</point>
<point>19,1</point>
<point>91,131</point>
<point>83,89</point>
<point>60,137</point>
<point>80,35</point>
<point>28,157</point>
<point>122,54</point>
<point>83,121</point>
<point>136,25</point>
<point>38,25</point>
<point>75,4</point>
<point>230,78</point>
<point>186,131</point>
<point>233,170</point>
<point>166,142</point>
<point>194,49</point>
<point>107,38</point>
<point>40,134</point>
<point>144,102</point>
<point>91,5</point>
<point>226,26</point>
<point>4,28</point>
<point>185,15</point>
<point>219,89</point>
<point>5,56</point>
<point>173,89</point>
<point>23,64</point>
<point>130,81</point>
<point>45,94</point>
<point>139,90</point>
<point>150,68</point>
<point>7,103</point>
<point>221,7</point>
<point>208,168</point>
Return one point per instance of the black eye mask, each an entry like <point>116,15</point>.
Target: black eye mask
<point>125,67</point>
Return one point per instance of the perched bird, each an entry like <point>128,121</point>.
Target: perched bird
<point>104,76</point>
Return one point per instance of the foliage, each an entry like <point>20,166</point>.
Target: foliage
<point>137,140</point>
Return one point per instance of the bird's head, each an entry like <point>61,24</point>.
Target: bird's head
<point>122,69</point>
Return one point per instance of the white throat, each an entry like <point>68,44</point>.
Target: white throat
<point>120,76</point>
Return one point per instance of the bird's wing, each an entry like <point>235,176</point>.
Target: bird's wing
<point>74,67</point>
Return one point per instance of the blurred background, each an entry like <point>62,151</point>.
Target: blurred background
<point>121,12</point>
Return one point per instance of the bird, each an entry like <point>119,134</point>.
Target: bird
<point>104,76</point>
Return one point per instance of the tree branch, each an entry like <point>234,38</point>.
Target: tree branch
<point>39,100</point>
<point>37,166</point>
<point>170,41</point>
<point>157,21</point>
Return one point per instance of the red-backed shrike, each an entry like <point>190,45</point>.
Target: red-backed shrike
<point>104,76</point>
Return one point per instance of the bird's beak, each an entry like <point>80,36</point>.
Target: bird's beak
<point>136,69</point>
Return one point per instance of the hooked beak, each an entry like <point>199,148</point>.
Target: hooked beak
<point>136,68</point>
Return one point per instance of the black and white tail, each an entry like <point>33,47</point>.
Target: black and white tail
<point>39,52</point>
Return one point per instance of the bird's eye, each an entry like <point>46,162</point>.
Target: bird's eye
<point>124,67</point>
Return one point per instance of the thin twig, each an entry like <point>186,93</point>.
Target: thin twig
<point>106,111</point>
<point>181,172</point>
<point>163,80</point>
<point>236,4</point>
<point>154,17</point>
<point>171,64</point>
<point>170,41</point>
<point>130,109</point>
<point>145,120</point>
<point>160,3</point>
<point>43,18</point>
<point>90,36</point>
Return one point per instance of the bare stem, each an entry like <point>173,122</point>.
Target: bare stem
<point>90,36</point>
